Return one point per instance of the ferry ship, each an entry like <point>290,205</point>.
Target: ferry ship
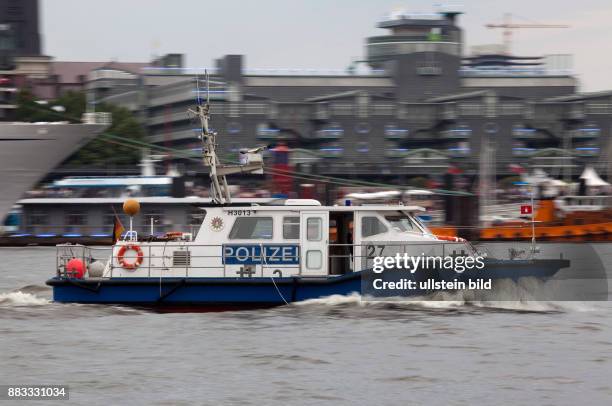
<point>253,254</point>
<point>28,151</point>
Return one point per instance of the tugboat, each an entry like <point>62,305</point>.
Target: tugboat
<point>568,218</point>
<point>257,255</point>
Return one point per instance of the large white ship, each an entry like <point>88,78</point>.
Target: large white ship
<point>28,151</point>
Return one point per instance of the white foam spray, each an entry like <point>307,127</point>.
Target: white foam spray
<point>19,298</point>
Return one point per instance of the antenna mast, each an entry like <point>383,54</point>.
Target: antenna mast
<point>220,192</point>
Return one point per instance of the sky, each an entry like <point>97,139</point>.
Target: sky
<point>309,34</point>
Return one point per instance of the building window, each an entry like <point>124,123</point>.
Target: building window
<point>590,130</point>
<point>428,68</point>
<point>332,131</point>
<point>490,127</point>
<point>462,130</point>
<point>394,151</point>
<point>519,130</point>
<point>520,148</point>
<point>392,131</point>
<point>250,228</point>
<point>331,150</point>
<point>372,226</point>
<point>459,149</point>
<point>291,228</point>
<point>265,132</point>
<point>363,128</point>
<point>587,149</point>
<point>363,147</point>
<point>234,128</point>
<point>335,129</point>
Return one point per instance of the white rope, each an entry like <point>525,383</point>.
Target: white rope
<point>279,292</point>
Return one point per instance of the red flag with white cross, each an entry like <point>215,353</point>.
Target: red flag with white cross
<point>526,209</point>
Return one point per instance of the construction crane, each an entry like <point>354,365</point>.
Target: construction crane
<point>508,26</point>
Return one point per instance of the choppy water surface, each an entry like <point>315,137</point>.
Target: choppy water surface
<point>338,350</point>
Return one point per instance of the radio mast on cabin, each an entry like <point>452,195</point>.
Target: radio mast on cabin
<point>220,192</point>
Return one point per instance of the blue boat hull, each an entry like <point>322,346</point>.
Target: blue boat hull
<point>266,291</point>
<point>202,291</point>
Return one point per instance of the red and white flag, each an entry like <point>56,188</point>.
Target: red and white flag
<point>526,209</point>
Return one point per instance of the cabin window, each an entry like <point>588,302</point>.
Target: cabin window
<point>402,223</point>
<point>75,221</point>
<point>372,226</point>
<point>196,217</point>
<point>108,219</point>
<point>314,259</point>
<point>38,218</point>
<point>250,228</point>
<point>313,229</point>
<point>291,228</point>
<point>76,218</point>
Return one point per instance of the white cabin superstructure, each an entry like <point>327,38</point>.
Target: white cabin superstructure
<point>298,238</point>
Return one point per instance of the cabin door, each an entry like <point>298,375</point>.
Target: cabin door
<point>314,237</point>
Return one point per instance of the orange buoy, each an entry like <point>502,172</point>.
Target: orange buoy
<point>131,207</point>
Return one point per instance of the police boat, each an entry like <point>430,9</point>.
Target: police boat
<point>257,255</point>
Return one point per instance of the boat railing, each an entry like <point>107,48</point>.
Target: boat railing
<point>87,255</point>
<point>181,260</point>
<point>584,203</point>
<point>98,231</point>
<point>131,235</point>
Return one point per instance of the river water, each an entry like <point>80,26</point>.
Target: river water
<point>338,350</point>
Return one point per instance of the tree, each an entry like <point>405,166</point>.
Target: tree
<point>101,151</point>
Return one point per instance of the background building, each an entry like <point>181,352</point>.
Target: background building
<point>414,106</point>
<point>20,51</point>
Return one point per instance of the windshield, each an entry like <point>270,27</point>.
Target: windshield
<point>402,222</point>
<point>417,220</point>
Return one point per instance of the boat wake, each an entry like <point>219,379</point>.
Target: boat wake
<point>507,295</point>
<point>454,302</point>
<point>21,299</point>
<point>35,301</point>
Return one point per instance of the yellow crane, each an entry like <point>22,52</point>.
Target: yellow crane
<point>508,26</point>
